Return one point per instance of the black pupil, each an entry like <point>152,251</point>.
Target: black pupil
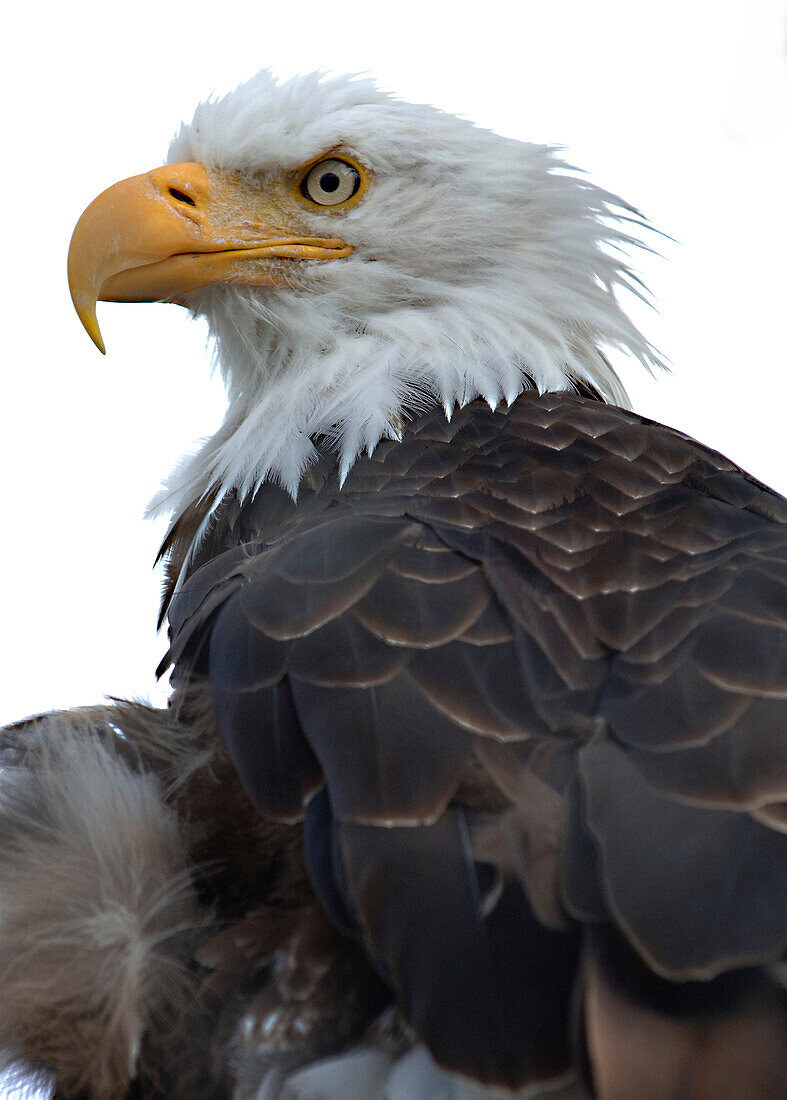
<point>329,181</point>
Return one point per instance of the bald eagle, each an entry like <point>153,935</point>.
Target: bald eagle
<point>473,780</point>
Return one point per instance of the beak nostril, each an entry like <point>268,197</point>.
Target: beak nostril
<point>180,196</point>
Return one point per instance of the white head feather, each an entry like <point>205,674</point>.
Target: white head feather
<point>481,266</point>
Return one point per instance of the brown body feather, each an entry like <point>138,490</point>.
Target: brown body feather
<point>508,711</point>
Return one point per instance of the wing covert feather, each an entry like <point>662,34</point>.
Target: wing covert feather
<point>601,602</point>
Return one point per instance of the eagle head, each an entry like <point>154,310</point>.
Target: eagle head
<point>359,258</point>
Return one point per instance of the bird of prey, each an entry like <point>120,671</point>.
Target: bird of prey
<point>473,780</point>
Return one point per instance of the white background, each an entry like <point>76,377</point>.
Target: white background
<point>678,106</point>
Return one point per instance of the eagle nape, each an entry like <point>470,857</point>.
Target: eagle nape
<point>473,779</point>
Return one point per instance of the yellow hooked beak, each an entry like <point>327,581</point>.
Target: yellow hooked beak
<point>159,236</point>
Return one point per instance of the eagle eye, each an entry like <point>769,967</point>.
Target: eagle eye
<point>331,182</point>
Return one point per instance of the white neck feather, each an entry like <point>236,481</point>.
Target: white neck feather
<point>296,370</point>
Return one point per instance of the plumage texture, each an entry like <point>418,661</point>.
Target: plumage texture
<point>98,911</point>
<point>473,783</point>
<point>571,601</point>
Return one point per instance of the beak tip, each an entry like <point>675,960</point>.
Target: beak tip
<point>94,332</point>
<point>87,315</point>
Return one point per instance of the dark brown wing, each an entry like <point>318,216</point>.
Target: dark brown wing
<point>549,641</point>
